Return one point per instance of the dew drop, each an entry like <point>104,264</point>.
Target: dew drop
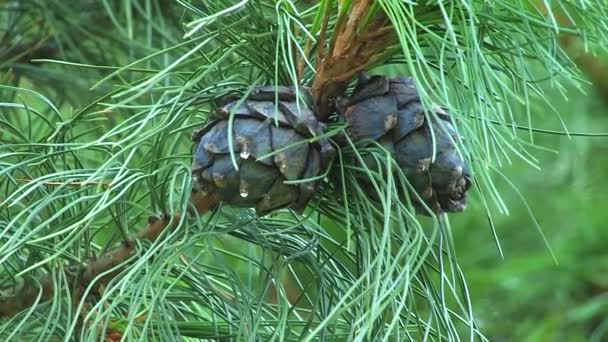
<point>243,189</point>
<point>283,167</point>
<point>244,146</point>
<point>245,151</point>
<point>281,161</point>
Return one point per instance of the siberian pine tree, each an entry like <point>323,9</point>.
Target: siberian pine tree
<point>107,234</point>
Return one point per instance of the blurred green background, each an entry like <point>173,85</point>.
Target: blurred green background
<point>529,295</point>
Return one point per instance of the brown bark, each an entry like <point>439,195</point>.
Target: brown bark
<point>592,66</point>
<point>350,52</point>
<point>43,291</point>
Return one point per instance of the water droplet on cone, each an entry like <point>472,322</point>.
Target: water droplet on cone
<point>283,167</point>
<point>243,189</point>
<point>243,144</point>
<point>281,161</point>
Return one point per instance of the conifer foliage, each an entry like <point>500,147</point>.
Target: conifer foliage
<point>114,225</point>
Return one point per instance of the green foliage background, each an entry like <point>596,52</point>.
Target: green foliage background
<point>136,133</point>
<point>528,295</point>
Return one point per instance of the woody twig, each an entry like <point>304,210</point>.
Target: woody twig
<point>42,291</point>
<point>354,45</point>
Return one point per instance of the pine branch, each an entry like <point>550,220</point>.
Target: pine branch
<point>350,52</point>
<point>28,295</point>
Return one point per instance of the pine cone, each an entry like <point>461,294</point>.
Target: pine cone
<point>267,155</point>
<point>389,111</point>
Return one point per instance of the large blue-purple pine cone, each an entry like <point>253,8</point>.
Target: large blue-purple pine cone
<point>270,146</point>
<point>389,111</point>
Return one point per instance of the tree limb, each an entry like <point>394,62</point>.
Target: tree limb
<point>43,291</point>
<point>350,52</point>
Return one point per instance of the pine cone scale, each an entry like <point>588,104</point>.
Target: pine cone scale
<point>359,117</point>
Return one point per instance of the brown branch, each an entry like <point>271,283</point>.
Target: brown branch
<point>320,43</point>
<point>348,32</point>
<point>350,52</point>
<point>594,68</point>
<point>28,294</point>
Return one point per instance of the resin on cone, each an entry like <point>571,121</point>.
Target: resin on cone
<point>270,147</point>
<point>389,112</point>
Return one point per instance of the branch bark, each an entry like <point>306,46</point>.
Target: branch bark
<point>29,294</point>
<point>350,52</point>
